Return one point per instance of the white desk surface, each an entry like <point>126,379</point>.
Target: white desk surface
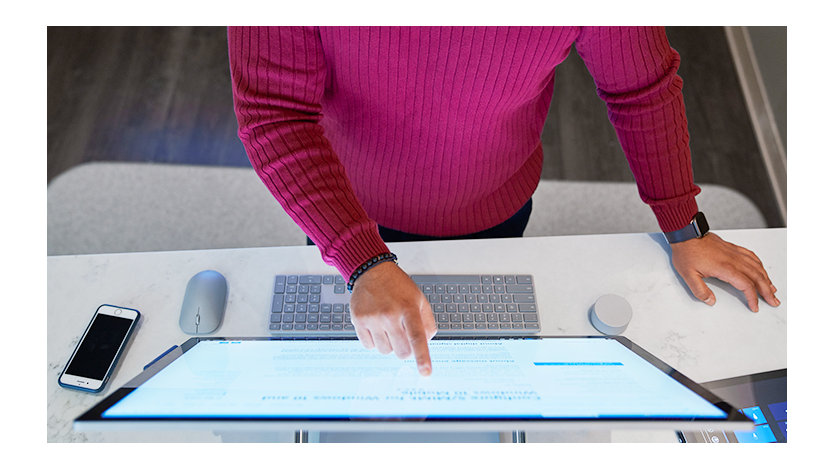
<point>570,273</point>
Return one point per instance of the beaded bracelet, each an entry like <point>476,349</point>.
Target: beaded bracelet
<point>367,265</point>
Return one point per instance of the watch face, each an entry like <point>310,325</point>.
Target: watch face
<point>701,224</point>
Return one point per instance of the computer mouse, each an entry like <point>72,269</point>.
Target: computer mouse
<point>610,314</point>
<point>204,303</point>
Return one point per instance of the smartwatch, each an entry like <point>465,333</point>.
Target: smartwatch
<point>697,228</point>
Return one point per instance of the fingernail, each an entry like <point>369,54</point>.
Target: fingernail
<point>425,370</point>
<point>710,301</point>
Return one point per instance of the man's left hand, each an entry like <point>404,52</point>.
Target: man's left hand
<point>711,256</point>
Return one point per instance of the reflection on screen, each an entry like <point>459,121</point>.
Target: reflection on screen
<point>556,378</point>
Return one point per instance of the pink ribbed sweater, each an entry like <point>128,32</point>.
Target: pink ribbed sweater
<point>437,130</point>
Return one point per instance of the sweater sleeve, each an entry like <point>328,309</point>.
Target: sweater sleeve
<point>635,71</point>
<point>278,77</point>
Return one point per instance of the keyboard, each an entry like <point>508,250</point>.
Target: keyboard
<point>463,305</point>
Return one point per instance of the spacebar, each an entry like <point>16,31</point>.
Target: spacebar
<point>446,278</point>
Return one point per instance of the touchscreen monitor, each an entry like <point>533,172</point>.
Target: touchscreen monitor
<point>475,383</point>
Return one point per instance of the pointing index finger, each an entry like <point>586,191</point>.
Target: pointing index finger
<point>416,334</point>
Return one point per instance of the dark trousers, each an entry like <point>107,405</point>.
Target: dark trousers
<point>512,227</point>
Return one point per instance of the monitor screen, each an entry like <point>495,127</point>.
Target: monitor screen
<point>532,378</point>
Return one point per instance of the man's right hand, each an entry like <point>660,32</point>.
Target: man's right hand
<point>390,313</point>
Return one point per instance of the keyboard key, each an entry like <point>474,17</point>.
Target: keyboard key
<point>280,279</point>
<point>275,318</point>
<point>303,289</point>
<point>512,307</point>
<point>299,326</point>
<point>486,279</point>
<point>324,327</point>
<point>438,308</point>
<point>530,317</point>
<point>338,308</point>
<point>523,298</point>
<point>524,279</point>
<point>288,317</point>
<point>300,317</point>
<point>526,307</point>
<point>455,318</point>
<point>509,279</point>
<point>505,298</point>
<point>312,326</point>
<point>315,289</point>
<point>292,289</point>
<point>475,308</point>
<point>338,288</point>
<point>292,279</point>
<point>517,317</point>
<point>312,318</point>
<point>518,326</point>
<point>480,317</point>
<point>519,289</point>
<point>467,317</point>
<point>497,279</point>
<point>326,308</point>
<point>301,308</point>
<point>498,308</point>
<point>338,318</point>
<point>309,280</point>
<point>313,308</point>
<point>498,289</point>
<point>451,308</point>
<point>277,303</point>
<point>480,326</point>
<point>504,317</point>
<point>327,279</point>
<point>279,288</point>
<point>274,326</point>
<point>486,308</point>
<point>463,308</point>
<point>289,308</point>
<point>289,298</point>
<point>337,327</point>
<point>492,317</point>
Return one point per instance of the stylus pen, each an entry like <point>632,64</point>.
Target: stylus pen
<point>160,356</point>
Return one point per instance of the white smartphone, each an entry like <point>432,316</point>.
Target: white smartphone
<point>97,353</point>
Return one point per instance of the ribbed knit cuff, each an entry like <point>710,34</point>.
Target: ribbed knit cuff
<point>348,253</point>
<point>675,216</point>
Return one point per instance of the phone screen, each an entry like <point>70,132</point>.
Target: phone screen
<point>99,347</point>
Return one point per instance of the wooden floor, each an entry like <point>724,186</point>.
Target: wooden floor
<point>163,94</point>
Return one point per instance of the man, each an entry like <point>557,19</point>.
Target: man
<point>436,132</point>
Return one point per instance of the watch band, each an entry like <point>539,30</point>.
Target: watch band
<point>697,228</point>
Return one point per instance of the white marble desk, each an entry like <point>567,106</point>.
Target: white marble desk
<point>570,273</point>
